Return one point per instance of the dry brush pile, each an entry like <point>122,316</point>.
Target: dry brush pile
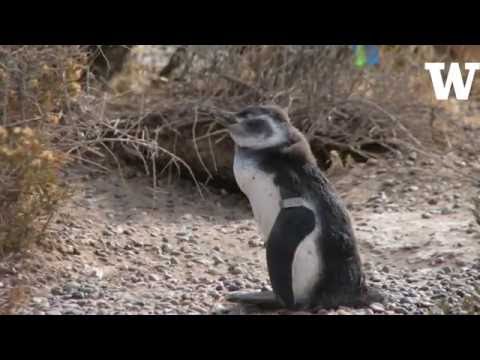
<point>170,126</point>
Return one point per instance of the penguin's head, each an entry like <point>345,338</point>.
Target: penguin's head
<point>260,127</point>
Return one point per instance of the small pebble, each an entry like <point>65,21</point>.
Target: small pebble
<point>377,307</point>
<point>153,277</point>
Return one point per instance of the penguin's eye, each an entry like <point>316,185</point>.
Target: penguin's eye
<point>254,125</point>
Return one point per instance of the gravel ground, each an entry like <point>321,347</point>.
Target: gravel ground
<point>118,250</point>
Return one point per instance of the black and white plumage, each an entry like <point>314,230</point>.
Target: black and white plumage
<point>312,256</point>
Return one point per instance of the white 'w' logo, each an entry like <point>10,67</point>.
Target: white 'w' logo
<point>454,77</point>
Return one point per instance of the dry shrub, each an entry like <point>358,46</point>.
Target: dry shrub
<point>38,86</point>
<point>171,128</point>
<point>37,81</point>
<point>30,191</point>
<point>163,117</point>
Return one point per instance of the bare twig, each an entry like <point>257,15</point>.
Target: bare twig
<point>195,145</point>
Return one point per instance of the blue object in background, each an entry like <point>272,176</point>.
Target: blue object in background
<point>366,55</point>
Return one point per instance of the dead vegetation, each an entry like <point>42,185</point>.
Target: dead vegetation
<point>170,127</point>
<point>37,85</point>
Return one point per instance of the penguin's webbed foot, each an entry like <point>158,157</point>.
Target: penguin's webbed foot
<point>262,299</point>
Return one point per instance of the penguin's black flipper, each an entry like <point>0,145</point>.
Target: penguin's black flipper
<point>292,226</point>
<point>262,299</point>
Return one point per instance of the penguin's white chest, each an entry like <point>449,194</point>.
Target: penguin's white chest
<point>264,197</point>
<point>261,191</point>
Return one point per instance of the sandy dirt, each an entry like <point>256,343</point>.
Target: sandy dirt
<point>118,248</point>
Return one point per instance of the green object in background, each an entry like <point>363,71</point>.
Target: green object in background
<point>366,55</point>
<point>360,56</point>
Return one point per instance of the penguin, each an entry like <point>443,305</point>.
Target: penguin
<point>311,251</point>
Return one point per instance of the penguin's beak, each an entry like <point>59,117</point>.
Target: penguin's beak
<point>227,119</point>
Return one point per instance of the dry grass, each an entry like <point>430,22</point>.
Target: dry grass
<point>38,86</point>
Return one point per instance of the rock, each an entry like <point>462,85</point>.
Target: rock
<point>217,260</point>
<point>446,270</point>
<point>77,295</point>
<point>83,303</point>
<point>219,309</point>
<point>460,262</point>
<point>232,287</point>
<point>136,243</point>
<point>70,287</point>
<point>425,304</point>
<point>153,277</point>
<point>187,217</point>
<point>198,309</point>
<point>39,300</point>
<point>106,232</point>
<point>253,243</point>
<point>56,291</point>
<point>97,273</point>
<point>181,235</point>
<point>212,272</point>
<point>405,300</point>
<point>438,296</point>
<point>389,183</point>
<point>372,162</point>
<point>234,270</point>
<point>377,307</point>
<point>54,312</point>
<point>166,248</point>
<point>446,211</point>
<point>426,216</point>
